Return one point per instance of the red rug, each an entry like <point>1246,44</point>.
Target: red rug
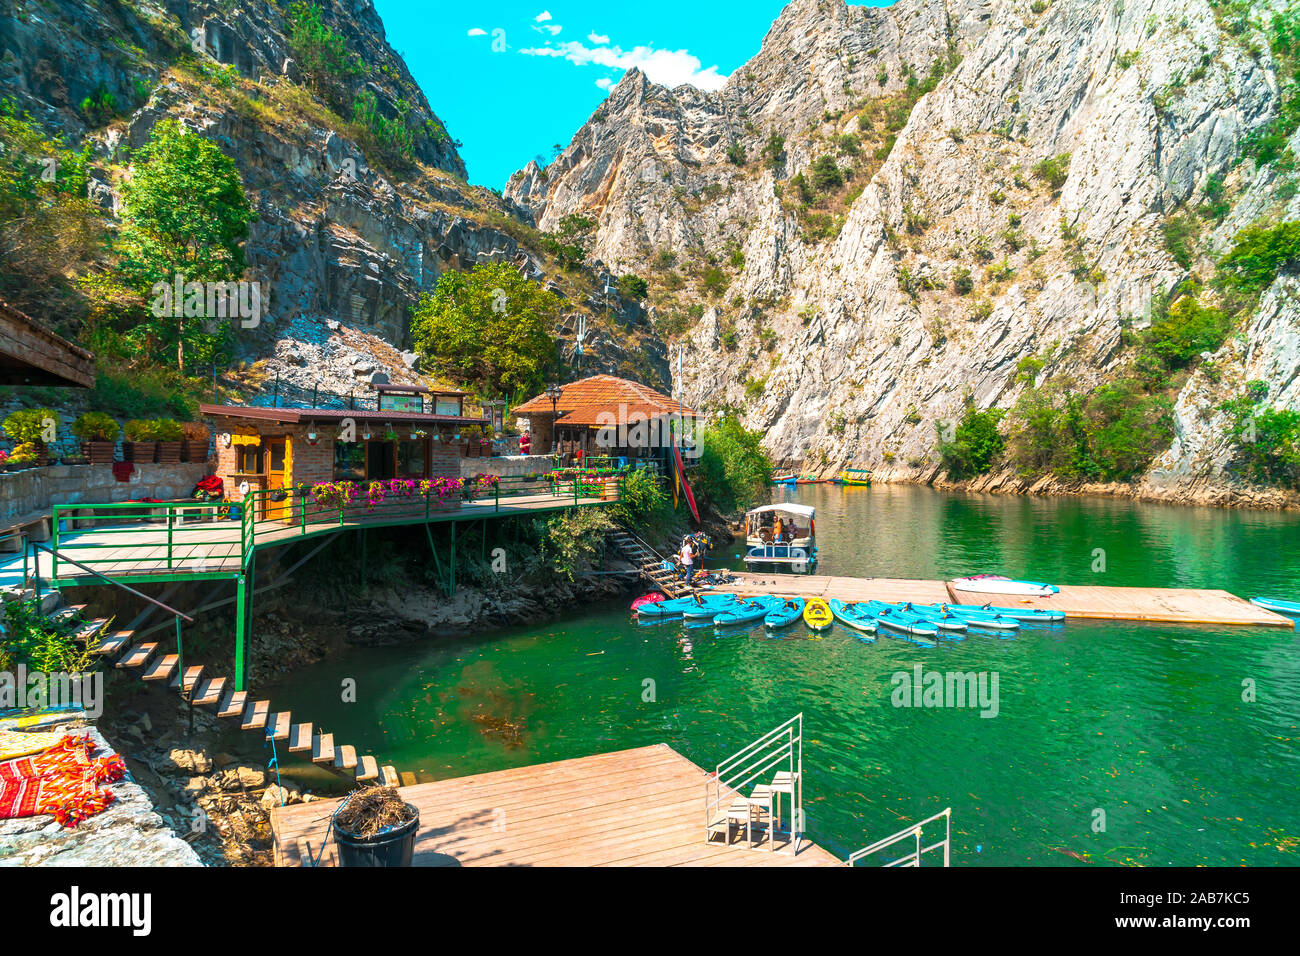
<point>64,781</point>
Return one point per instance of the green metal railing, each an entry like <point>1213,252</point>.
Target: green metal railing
<point>177,541</point>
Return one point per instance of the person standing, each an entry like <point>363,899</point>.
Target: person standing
<point>688,562</point>
<point>525,444</point>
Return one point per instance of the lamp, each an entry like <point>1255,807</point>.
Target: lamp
<point>554,392</point>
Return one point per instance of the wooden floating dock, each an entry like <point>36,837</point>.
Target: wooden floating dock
<point>1155,605</point>
<point>641,807</point>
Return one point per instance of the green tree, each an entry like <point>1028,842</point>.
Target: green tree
<point>976,443</point>
<point>825,174</point>
<point>489,328</point>
<point>185,214</point>
<point>734,470</point>
<point>1257,253</point>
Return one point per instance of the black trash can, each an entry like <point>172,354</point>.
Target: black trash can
<point>392,846</point>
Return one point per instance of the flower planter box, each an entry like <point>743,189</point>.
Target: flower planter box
<point>139,451</point>
<point>195,451</point>
<point>98,452</point>
<point>169,452</point>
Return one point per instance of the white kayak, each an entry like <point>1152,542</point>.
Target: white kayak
<point>996,584</point>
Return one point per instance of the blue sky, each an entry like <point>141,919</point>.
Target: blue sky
<point>512,79</point>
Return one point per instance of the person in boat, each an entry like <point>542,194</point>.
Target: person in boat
<point>778,531</point>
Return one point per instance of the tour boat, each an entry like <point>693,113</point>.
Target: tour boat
<point>859,477</point>
<point>997,584</point>
<point>797,546</point>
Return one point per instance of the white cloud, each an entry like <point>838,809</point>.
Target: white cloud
<point>604,82</point>
<point>597,38</point>
<point>666,67</point>
<point>542,17</point>
<point>477,32</point>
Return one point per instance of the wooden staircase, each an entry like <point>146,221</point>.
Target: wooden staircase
<point>651,564</point>
<point>216,693</point>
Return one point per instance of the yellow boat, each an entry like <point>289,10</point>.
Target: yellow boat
<point>817,614</point>
<point>855,476</point>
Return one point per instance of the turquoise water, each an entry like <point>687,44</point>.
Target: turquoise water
<point>1144,723</point>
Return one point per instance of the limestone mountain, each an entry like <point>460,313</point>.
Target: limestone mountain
<point>359,190</point>
<point>891,214</point>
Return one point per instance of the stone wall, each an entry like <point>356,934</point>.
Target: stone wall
<point>511,466</point>
<point>37,489</point>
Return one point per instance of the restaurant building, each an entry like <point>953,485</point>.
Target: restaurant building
<point>411,432</point>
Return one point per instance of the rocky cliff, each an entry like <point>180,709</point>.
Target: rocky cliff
<point>345,239</point>
<point>888,212</point>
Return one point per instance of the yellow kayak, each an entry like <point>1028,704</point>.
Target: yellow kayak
<point>817,614</point>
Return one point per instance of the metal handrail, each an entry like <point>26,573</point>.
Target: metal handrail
<point>914,832</point>
<point>782,744</point>
<point>117,584</point>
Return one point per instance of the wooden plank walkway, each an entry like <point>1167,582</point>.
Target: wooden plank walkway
<point>1157,605</point>
<point>641,807</point>
<point>1162,605</point>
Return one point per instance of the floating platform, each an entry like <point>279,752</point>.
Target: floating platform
<point>1156,605</point>
<point>641,807</point>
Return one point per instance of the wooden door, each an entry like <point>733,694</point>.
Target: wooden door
<point>277,478</point>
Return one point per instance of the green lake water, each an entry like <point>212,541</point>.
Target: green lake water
<point>1144,722</point>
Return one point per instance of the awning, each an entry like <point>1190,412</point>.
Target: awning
<point>806,511</point>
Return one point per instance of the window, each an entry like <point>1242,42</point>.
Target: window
<point>447,406</point>
<point>410,459</point>
<point>248,459</point>
<point>349,461</point>
<point>275,452</point>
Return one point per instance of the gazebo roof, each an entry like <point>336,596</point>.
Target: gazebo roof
<point>585,401</point>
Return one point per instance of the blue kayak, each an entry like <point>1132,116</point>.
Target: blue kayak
<point>985,621</point>
<point>1289,608</point>
<point>786,614</point>
<point>850,616</point>
<point>708,610</point>
<point>940,620</point>
<point>1026,615</point>
<point>747,612</point>
<point>678,606</point>
<point>889,616</point>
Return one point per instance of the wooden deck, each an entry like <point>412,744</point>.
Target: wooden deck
<point>1157,605</point>
<point>213,547</point>
<point>642,807</point>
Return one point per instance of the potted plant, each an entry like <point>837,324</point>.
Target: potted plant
<point>376,827</point>
<point>469,437</point>
<point>141,443</point>
<point>169,435</point>
<point>23,456</point>
<point>196,442</point>
<point>98,434</point>
<point>36,427</point>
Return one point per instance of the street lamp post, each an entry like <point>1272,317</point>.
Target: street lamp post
<point>553,393</point>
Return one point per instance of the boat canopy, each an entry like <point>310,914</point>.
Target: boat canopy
<point>806,511</point>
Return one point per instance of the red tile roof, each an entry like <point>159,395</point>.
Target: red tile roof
<point>583,402</point>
